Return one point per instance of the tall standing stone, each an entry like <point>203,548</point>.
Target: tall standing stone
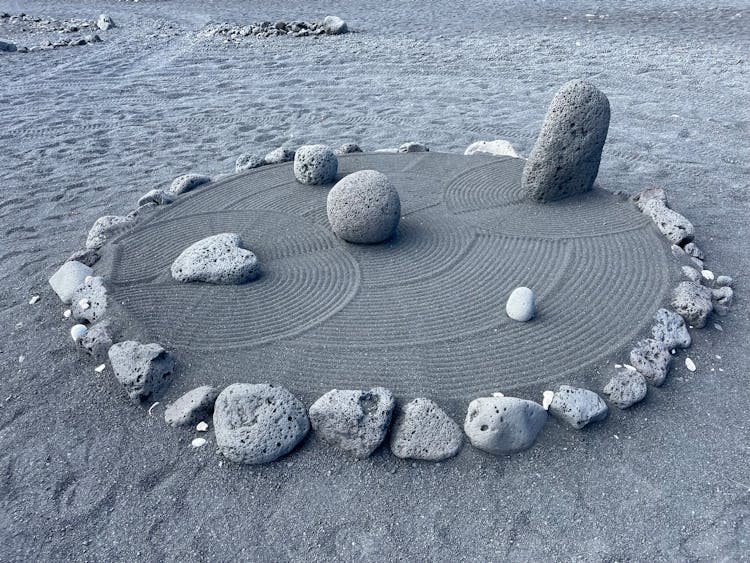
<point>565,159</point>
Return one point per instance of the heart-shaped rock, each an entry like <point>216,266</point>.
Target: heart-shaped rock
<point>218,259</point>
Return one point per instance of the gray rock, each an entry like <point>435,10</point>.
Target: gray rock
<point>499,147</point>
<point>217,259</point>
<point>691,273</point>
<point>424,431</point>
<point>675,227</point>
<point>693,302</point>
<point>678,252</point>
<point>521,305</point>
<point>578,407</point>
<point>565,159</point>
<point>106,227</point>
<point>721,298</point>
<point>347,148</point>
<point>670,329</point>
<point>693,250</point>
<point>698,263</point>
<point>67,278</point>
<point>193,407</point>
<point>159,197</point>
<point>626,388</point>
<point>279,155</point>
<point>258,423</point>
<point>503,425</point>
<point>86,256</point>
<point>97,340</point>
<point>248,161</point>
<point>89,301</point>
<point>142,369</point>
<point>364,207</point>
<point>723,281</point>
<point>387,150</point>
<point>651,358</point>
<point>353,421</point>
<point>315,164</point>
<point>334,25</point>
<point>413,147</point>
<point>644,199</point>
<point>105,22</point>
<point>187,182</point>
<point>8,47</point>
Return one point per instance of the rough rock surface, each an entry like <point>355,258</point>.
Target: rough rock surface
<point>86,256</point>
<point>353,421</point>
<point>193,407</point>
<point>218,259</point>
<point>693,302</point>
<point>651,358</point>
<point>503,425</point>
<point>498,147</point>
<point>104,227</point>
<point>159,197</point>
<point>721,298</point>
<point>424,431</point>
<point>89,301</point>
<point>626,387</point>
<point>97,340</point>
<point>670,329</point>
<point>279,155</point>
<point>334,25</point>
<point>691,273</point>
<point>187,182</point>
<point>104,22</point>
<point>364,207</point>
<point>347,148</point>
<point>67,278</point>
<point>674,226</point>
<point>142,369</point>
<point>521,305</point>
<point>258,423</point>
<point>248,161</point>
<point>565,159</point>
<point>8,47</point>
<point>721,281</point>
<point>578,407</point>
<point>694,250</point>
<point>413,147</point>
<point>644,198</point>
<point>315,164</point>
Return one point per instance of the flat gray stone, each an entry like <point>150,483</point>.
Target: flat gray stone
<point>86,256</point>
<point>424,431</point>
<point>248,161</point>
<point>159,197</point>
<point>626,387</point>
<point>565,159</point>
<point>187,182</point>
<point>104,22</point>
<point>67,278</point>
<point>193,407</point>
<point>503,425</point>
<point>8,47</point>
<point>218,259</point>
<point>144,370</point>
<point>364,207</point>
<point>498,147</point>
<point>353,421</point>
<point>651,358</point>
<point>89,301</point>
<point>106,227</point>
<point>315,164</point>
<point>258,423</point>
<point>413,147</point>
<point>521,305</point>
<point>347,148</point>
<point>97,340</point>
<point>670,329</point>
<point>721,298</point>
<point>279,155</point>
<point>693,302</point>
<point>334,25</point>
<point>578,407</point>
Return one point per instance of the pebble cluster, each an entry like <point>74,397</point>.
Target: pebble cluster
<point>331,25</point>
<point>86,30</point>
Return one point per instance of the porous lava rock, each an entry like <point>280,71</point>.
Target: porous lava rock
<point>693,302</point>
<point>578,407</point>
<point>498,147</point>
<point>97,340</point>
<point>315,164</point>
<point>412,146</point>
<point>626,387</point>
<point>86,256</point>
<point>197,405</point>
<point>258,423</point>
<point>354,421</point>
<point>651,358</point>
<point>248,161</point>
<point>347,148</point>
<point>279,155</point>
<point>159,197</point>
<point>364,207</point>
<point>187,182</point>
<point>106,226</point>
<point>423,430</point>
<point>105,22</point>
<point>144,370</point>
<point>565,159</point>
<point>89,302</point>
<point>670,328</point>
<point>68,278</point>
<point>218,259</point>
<point>334,25</point>
<point>503,425</point>
<point>721,298</point>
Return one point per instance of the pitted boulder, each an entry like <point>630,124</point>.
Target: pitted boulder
<point>412,146</point>
<point>693,302</point>
<point>85,256</point>
<point>353,421</point>
<point>675,227</point>
<point>670,328</point>
<point>651,358</point>
<point>89,302</point>
<point>503,425</point>
<point>347,148</point>
<point>279,155</point>
<point>193,407</point>
<point>144,370</point>
<point>158,197</point>
<point>364,207</point>
<point>258,423</point>
<point>218,259</point>
<point>721,298</point>
<point>578,407</point>
<point>498,147</point>
<point>626,387</point>
<point>187,182</point>
<point>105,227</point>
<point>424,431</point>
<point>315,164</point>
<point>693,250</point>
<point>643,198</point>
<point>68,278</point>
<point>97,340</point>
<point>565,159</point>
<point>248,161</point>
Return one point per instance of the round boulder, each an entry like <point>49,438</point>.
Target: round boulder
<point>503,425</point>
<point>315,164</point>
<point>521,305</point>
<point>364,207</point>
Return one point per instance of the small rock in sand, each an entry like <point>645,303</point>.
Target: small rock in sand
<point>693,302</point>
<point>424,431</point>
<point>159,197</point>
<point>192,407</point>
<point>142,369</point>
<point>104,228</point>
<point>723,281</point>
<point>693,250</point>
<point>218,259</point>
<point>674,226</point>
<point>104,22</point>
<point>498,147</point>
<point>187,182</point>
<point>626,387</point>
<point>722,297</point>
<point>334,25</point>
<point>521,305</point>
<point>315,164</point>
<point>279,155</point>
<point>89,302</point>
<point>691,273</point>
<point>651,358</point>
<point>503,425</point>
<point>8,47</point>
<point>413,147</point>
<point>670,329</point>
<point>98,340</point>
<point>68,278</point>
<point>578,407</point>
<point>690,364</point>
<point>77,332</point>
<point>347,148</point>
<point>86,256</point>
<point>248,161</point>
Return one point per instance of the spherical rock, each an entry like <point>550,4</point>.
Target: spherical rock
<point>521,305</point>
<point>503,425</point>
<point>217,259</point>
<point>68,278</point>
<point>424,431</point>
<point>578,407</point>
<point>187,182</point>
<point>258,423</point>
<point>89,301</point>
<point>364,207</point>
<point>248,161</point>
<point>565,159</point>
<point>693,302</point>
<point>498,147</point>
<point>626,387</point>
<point>315,164</point>
<point>142,369</point>
<point>670,329</point>
<point>193,407</point>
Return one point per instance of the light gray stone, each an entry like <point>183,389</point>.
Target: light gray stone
<point>144,370</point>
<point>674,226</point>
<point>503,425</point>
<point>105,228</point>
<point>89,301</point>
<point>691,273</point>
<point>334,25</point>
<point>218,259</point>
<point>413,147</point>
<point>104,22</point>
<point>521,305</point>
<point>347,148</point>
<point>565,159</point>
<point>651,358</point>
<point>8,47</point>
<point>187,182</point>
<point>693,302</point>
<point>353,421</point>
<point>248,161</point>
<point>578,407</point>
<point>723,281</point>
<point>364,207</point>
<point>424,431</point>
<point>159,197</point>
<point>67,278</point>
<point>193,407</point>
<point>654,196</point>
<point>279,155</point>
<point>315,164</point>
<point>626,387</point>
<point>693,250</point>
<point>97,340</point>
<point>258,423</point>
<point>721,298</point>
<point>498,147</point>
<point>86,256</point>
<point>670,329</point>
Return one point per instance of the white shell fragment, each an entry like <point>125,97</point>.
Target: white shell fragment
<point>498,394</point>
<point>67,313</point>
<point>707,274</point>
<point>151,408</point>
<point>547,397</point>
<point>100,368</point>
<point>198,442</point>
<point>202,427</point>
<point>84,304</point>
<point>87,279</point>
<point>690,364</point>
<point>77,332</point>
<point>34,299</point>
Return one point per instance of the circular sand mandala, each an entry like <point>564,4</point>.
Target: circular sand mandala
<point>422,314</point>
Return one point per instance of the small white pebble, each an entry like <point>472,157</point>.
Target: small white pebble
<point>618,366</point>
<point>21,359</point>
<point>498,394</point>
<point>717,357</point>
<point>707,274</point>
<point>87,279</point>
<point>67,313</point>
<point>198,442</point>
<point>202,427</point>
<point>712,369</point>
<point>547,397</point>
<point>616,437</point>
<point>84,304</point>
<point>77,332</point>
<point>690,364</point>
<point>100,368</point>
<point>721,369</point>
<point>34,299</point>
<point>718,327</point>
<point>673,351</point>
